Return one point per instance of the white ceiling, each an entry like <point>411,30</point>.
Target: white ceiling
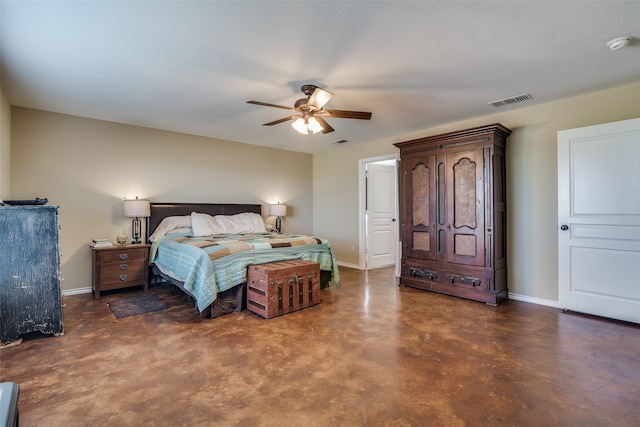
<point>190,66</point>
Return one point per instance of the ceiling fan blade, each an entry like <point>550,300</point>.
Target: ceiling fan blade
<point>326,127</point>
<point>318,98</point>
<point>266,104</point>
<point>344,114</point>
<point>285,119</point>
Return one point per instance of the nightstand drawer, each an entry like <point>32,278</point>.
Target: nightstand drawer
<point>122,272</point>
<point>122,255</point>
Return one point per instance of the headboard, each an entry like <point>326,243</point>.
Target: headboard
<point>160,211</point>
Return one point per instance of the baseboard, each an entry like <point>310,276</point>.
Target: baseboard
<point>517,297</point>
<point>77,291</point>
<point>348,265</point>
<point>534,300</point>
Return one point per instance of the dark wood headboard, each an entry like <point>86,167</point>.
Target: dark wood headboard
<point>160,211</point>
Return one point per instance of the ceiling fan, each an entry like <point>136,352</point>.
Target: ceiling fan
<point>309,117</point>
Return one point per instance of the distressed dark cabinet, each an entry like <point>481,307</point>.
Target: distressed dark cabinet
<point>453,213</point>
<point>30,298</point>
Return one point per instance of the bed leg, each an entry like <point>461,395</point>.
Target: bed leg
<point>206,313</point>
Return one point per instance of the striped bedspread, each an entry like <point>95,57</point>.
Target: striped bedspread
<point>212,264</point>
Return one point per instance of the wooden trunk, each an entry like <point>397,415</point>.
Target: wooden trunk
<point>282,287</point>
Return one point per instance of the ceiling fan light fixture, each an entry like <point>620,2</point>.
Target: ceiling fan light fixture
<point>300,126</point>
<point>314,125</point>
<point>307,126</point>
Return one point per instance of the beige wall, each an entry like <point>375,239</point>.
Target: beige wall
<point>5,147</point>
<point>532,183</point>
<point>88,167</point>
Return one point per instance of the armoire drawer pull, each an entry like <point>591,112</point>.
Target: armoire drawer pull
<point>473,281</point>
<point>123,266</point>
<point>423,273</point>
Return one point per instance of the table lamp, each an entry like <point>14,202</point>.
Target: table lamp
<point>279,211</point>
<point>135,209</point>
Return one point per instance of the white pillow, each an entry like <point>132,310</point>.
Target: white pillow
<point>241,223</point>
<point>171,224</point>
<point>206,225</point>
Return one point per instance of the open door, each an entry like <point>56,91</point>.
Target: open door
<point>381,221</point>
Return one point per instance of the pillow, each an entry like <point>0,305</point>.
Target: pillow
<point>171,224</point>
<point>241,223</point>
<point>204,225</point>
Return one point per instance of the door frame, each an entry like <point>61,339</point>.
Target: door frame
<point>362,197</point>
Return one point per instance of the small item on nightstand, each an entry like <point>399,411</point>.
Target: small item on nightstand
<point>121,240</point>
<point>101,243</point>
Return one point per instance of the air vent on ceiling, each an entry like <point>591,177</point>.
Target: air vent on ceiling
<point>511,100</point>
<point>340,141</point>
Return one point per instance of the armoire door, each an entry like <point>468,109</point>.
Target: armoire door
<point>465,205</point>
<point>419,214</point>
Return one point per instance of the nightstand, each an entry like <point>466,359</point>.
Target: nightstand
<point>120,266</point>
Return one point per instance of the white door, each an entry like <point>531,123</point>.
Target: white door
<point>381,215</point>
<point>599,220</point>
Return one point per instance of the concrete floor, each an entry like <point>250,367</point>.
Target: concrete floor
<point>372,354</point>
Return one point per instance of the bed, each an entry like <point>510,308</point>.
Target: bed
<point>204,249</point>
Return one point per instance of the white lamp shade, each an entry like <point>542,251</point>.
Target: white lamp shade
<point>137,208</point>
<point>278,210</point>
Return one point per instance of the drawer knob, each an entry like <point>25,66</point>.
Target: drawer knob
<point>123,277</point>
<point>124,256</point>
<point>123,266</point>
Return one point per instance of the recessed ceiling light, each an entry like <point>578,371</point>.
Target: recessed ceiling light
<point>619,42</point>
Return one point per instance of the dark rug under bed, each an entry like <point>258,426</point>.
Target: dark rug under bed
<point>135,305</point>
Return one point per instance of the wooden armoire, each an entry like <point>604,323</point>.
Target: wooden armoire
<point>453,218</point>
